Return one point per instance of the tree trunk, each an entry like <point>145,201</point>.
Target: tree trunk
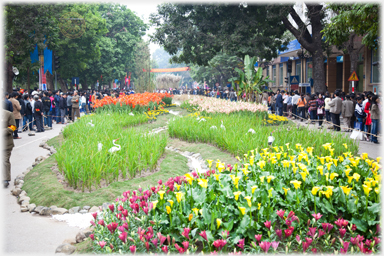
<point>353,55</point>
<point>63,85</point>
<point>28,81</point>
<point>50,84</point>
<point>9,77</point>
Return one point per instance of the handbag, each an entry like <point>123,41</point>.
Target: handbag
<point>320,111</point>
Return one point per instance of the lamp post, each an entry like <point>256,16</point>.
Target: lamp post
<point>302,55</point>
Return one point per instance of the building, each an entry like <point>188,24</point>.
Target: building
<point>337,69</point>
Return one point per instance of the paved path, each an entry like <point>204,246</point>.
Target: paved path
<point>24,233</point>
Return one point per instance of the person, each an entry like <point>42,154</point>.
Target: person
<point>368,120</point>
<point>359,112</point>
<point>16,113</point>
<point>265,98</point>
<point>285,102</point>
<point>353,117</point>
<point>7,103</point>
<point>63,106</point>
<point>75,105</point>
<point>312,109</point>
<point>295,98</point>
<point>47,110</point>
<point>84,102</point>
<point>327,107</point>
<point>69,106</point>
<point>308,98</point>
<point>301,106</point>
<point>279,103</point>
<point>375,117</point>
<point>9,126</point>
<point>57,108</point>
<point>320,109</point>
<point>27,118</point>
<point>273,103</point>
<point>22,111</point>
<point>232,95</point>
<point>347,112</point>
<point>335,111</point>
<point>38,113</point>
<point>289,104</point>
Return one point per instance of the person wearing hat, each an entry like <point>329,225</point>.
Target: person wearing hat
<point>38,113</point>
<point>16,113</point>
<point>9,126</point>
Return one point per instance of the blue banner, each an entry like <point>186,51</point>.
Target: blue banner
<point>48,60</point>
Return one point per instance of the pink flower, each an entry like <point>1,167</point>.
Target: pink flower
<point>361,238</point>
<point>92,236</point>
<point>288,222</point>
<point>354,240</point>
<point>123,237</point>
<point>368,242</point>
<point>378,228</point>
<point>160,182</point>
<point>112,227</point>
<point>102,244</point>
<point>321,232</point>
<point>346,245</point>
<point>330,227</point>
<point>154,241</point>
<point>279,233</point>
<point>377,240</point>
<point>339,222</point>
<point>267,224</point>
<point>342,232</point>
<point>161,238</point>
<point>354,227</point>
<point>111,207</point>
<point>305,246</point>
<point>147,246</point>
<point>298,238</point>
<point>291,214</point>
<point>93,223</point>
<point>165,249</point>
<point>121,228</point>
<point>225,234</point>
<point>308,240</point>
<point>258,238</point>
<point>317,216</point>
<point>265,246</point>
<point>275,245</point>
<point>180,249</point>
<point>219,244</point>
<point>312,231</point>
<point>314,250</point>
<point>241,243</point>
<point>288,232</point>
<point>345,223</point>
<point>203,234</point>
<point>132,248</point>
<point>186,233</point>
<point>94,214</point>
<point>186,245</point>
<point>119,208</point>
<point>101,222</point>
<point>280,213</point>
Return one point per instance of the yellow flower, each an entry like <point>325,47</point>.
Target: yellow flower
<point>345,145</point>
<point>303,174</point>
<point>203,183</point>
<point>327,145</point>
<point>218,221</point>
<point>196,211</point>
<point>170,202</point>
<point>369,162</point>
<point>168,209</point>
<point>292,158</point>
<point>161,193</point>
<point>347,171</point>
<point>190,217</point>
<point>293,163</point>
<point>320,168</point>
<point>366,189</point>
<point>285,155</point>
<point>378,177</point>
<point>281,147</point>
<point>322,160</point>
<point>262,179</point>
<point>314,190</point>
<point>356,176</point>
<point>221,167</point>
<point>331,151</point>
<point>341,159</point>
<point>252,160</point>
<point>248,198</point>
<point>310,150</point>
<point>294,169</point>
<point>273,160</point>
<point>326,193</point>
<point>242,209</point>
<point>328,165</point>
<point>189,178</point>
<point>286,190</point>
<point>210,163</point>
<point>378,159</point>
<point>333,175</point>
<point>216,176</point>
<point>258,206</point>
<point>237,195</point>
<point>335,161</point>
<point>246,166</point>
<point>350,178</point>
<point>269,178</point>
<point>179,196</point>
<point>326,176</point>
<point>285,163</point>
<point>261,164</point>
<point>278,155</point>
<point>276,149</point>
<point>377,190</point>
<point>177,186</point>
<point>201,211</point>
<point>296,183</point>
<point>154,203</point>
<point>254,188</point>
<point>238,158</point>
<point>364,156</point>
<point>298,145</point>
<point>246,155</point>
<point>287,144</point>
<point>245,171</point>
<point>270,192</point>
<point>253,152</point>
<point>346,190</point>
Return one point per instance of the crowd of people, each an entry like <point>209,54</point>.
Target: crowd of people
<point>359,111</point>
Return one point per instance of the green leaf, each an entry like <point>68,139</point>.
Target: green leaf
<point>328,206</point>
<point>193,232</point>
<point>206,216</point>
<point>375,208</point>
<point>244,224</point>
<point>229,225</point>
<point>360,224</point>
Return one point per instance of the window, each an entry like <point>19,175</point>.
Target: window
<point>268,73</point>
<point>375,71</point>
<point>298,70</point>
<point>281,74</point>
<point>274,75</point>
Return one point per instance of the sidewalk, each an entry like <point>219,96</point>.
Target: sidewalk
<point>24,233</point>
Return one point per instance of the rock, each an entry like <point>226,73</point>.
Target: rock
<point>23,198</point>
<point>23,193</point>
<point>80,237</point>
<point>53,207</point>
<point>18,186</point>
<point>45,211</point>
<point>186,152</point>
<point>65,248</point>
<point>16,191</point>
<point>31,207</point>
<point>38,209</point>
<point>34,164</point>
<point>94,209</point>
<point>25,203</point>
<point>83,211</point>
<point>86,207</point>
<point>41,144</point>
<point>105,206</point>
<point>88,232</point>
<point>39,159</point>
<point>74,210</point>
<point>71,241</point>
<point>23,208</point>
<point>58,211</point>
<point>19,182</point>
<point>196,155</point>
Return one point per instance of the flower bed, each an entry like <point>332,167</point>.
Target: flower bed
<point>330,203</point>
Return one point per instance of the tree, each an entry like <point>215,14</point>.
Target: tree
<point>144,79</point>
<point>201,31</point>
<point>349,22</point>
<point>25,27</point>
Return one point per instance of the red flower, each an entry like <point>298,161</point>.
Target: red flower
<point>345,223</point>
<point>314,250</point>
<point>92,236</point>
<point>288,222</point>
<point>368,242</point>
<point>160,182</point>
<point>112,227</point>
<point>132,248</point>
<point>308,240</point>
<point>94,214</point>
<point>339,222</point>
<point>111,207</point>
<point>180,249</point>
<point>123,237</point>
<point>186,233</point>
<point>312,231</point>
<point>317,216</point>
<point>280,213</point>
<point>288,232</point>
<point>102,244</point>
<point>186,245</point>
<point>241,243</point>
<point>321,232</point>
<point>377,240</point>
<point>147,246</point>
<point>120,208</point>
<point>265,246</point>
<point>355,240</point>
<point>258,238</point>
<point>267,224</point>
<point>101,222</point>
<point>354,227</point>
<point>219,244</point>
<point>203,234</point>
<point>342,232</point>
<point>165,249</point>
<point>291,214</point>
<point>279,233</point>
<point>305,246</point>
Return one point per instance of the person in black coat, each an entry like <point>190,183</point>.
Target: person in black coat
<point>27,118</point>
<point>46,109</point>
<point>279,103</point>
<point>63,106</point>
<point>38,114</point>
<point>7,103</point>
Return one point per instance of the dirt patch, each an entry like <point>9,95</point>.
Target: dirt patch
<point>103,183</point>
